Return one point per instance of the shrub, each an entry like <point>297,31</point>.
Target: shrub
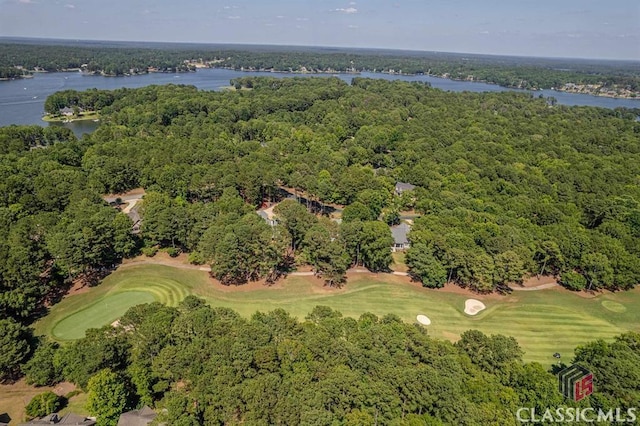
<point>43,404</point>
<point>196,258</point>
<point>173,252</point>
<point>150,251</point>
<point>573,281</point>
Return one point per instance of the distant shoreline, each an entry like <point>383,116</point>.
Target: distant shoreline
<point>588,91</point>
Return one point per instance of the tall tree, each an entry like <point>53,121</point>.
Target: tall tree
<point>376,246</point>
<point>14,347</point>
<point>296,219</point>
<point>106,397</point>
<point>424,267</point>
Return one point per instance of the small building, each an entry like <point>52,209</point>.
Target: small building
<point>268,216</point>
<point>400,237</point>
<point>66,111</point>
<point>141,417</point>
<point>67,419</point>
<point>403,187</point>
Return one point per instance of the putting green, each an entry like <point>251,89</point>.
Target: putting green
<point>102,312</point>
<point>614,306</point>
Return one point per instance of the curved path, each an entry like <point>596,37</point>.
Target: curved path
<point>538,287</point>
<point>207,268</point>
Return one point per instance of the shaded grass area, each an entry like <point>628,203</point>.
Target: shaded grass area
<point>543,322</point>
<point>399,262</point>
<point>15,397</point>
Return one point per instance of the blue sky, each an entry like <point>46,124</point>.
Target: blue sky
<point>566,28</point>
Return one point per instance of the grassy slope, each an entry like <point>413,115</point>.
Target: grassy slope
<point>544,322</point>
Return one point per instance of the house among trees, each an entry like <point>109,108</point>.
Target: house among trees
<point>268,216</point>
<point>400,237</point>
<point>67,419</point>
<point>141,417</point>
<point>69,111</point>
<point>403,187</point>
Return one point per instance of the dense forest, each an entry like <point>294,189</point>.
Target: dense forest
<point>507,185</point>
<point>122,58</point>
<point>210,366</point>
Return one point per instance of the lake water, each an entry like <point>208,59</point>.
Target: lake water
<point>22,101</point>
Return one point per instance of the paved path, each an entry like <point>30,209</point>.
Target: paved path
<point>207,268</point>
<point>538,287</point>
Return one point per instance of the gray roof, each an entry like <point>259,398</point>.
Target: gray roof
<point>141,417</point>
<point>68,419</point>
<point>403,186</point>
<point>400,232</point>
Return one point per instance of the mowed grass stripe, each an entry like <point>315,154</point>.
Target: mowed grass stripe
<point>543,322</point>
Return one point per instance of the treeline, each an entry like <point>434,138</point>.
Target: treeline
<point>201,365</point>
<point>96,59</point>
<point>11,73</point>
<point>508,185</point>
<point>53,227</point>
<point>91,100</point>
<point>525,73</point>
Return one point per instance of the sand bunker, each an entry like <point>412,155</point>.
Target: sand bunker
<point>423,319</point>
<point>473,306</point>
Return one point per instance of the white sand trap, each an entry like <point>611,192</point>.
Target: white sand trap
<point>423,319</point>
<point>473,306</point>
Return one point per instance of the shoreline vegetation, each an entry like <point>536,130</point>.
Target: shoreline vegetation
<point>613,79</point>
<point>83,116</point>
<point>599,90</point>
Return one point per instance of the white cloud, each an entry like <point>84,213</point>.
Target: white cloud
<point>70,6</point>
<point>347,10</point>
<point>26,2</point>
<point>302,19</point>
<point>233,17</point>
<point>352,27</point>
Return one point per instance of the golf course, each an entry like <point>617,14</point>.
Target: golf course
<point>544,322</point>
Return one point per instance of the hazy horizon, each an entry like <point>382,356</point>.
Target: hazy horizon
<point>584,29</point>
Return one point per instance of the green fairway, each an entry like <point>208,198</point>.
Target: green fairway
<point>106,310</point>
<point>544,321</point>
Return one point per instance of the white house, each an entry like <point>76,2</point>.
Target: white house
<point>400,237</point>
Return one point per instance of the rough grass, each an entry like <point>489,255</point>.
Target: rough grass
<point>15,397</point>
<point>543,322</point>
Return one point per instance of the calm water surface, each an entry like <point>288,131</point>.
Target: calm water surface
<point>22,101</point>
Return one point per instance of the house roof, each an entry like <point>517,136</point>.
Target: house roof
<point>68,419</point>
<point>141,417</point>
<point>400,232</point>
<point>403,186</point>
<point>5,419</point>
